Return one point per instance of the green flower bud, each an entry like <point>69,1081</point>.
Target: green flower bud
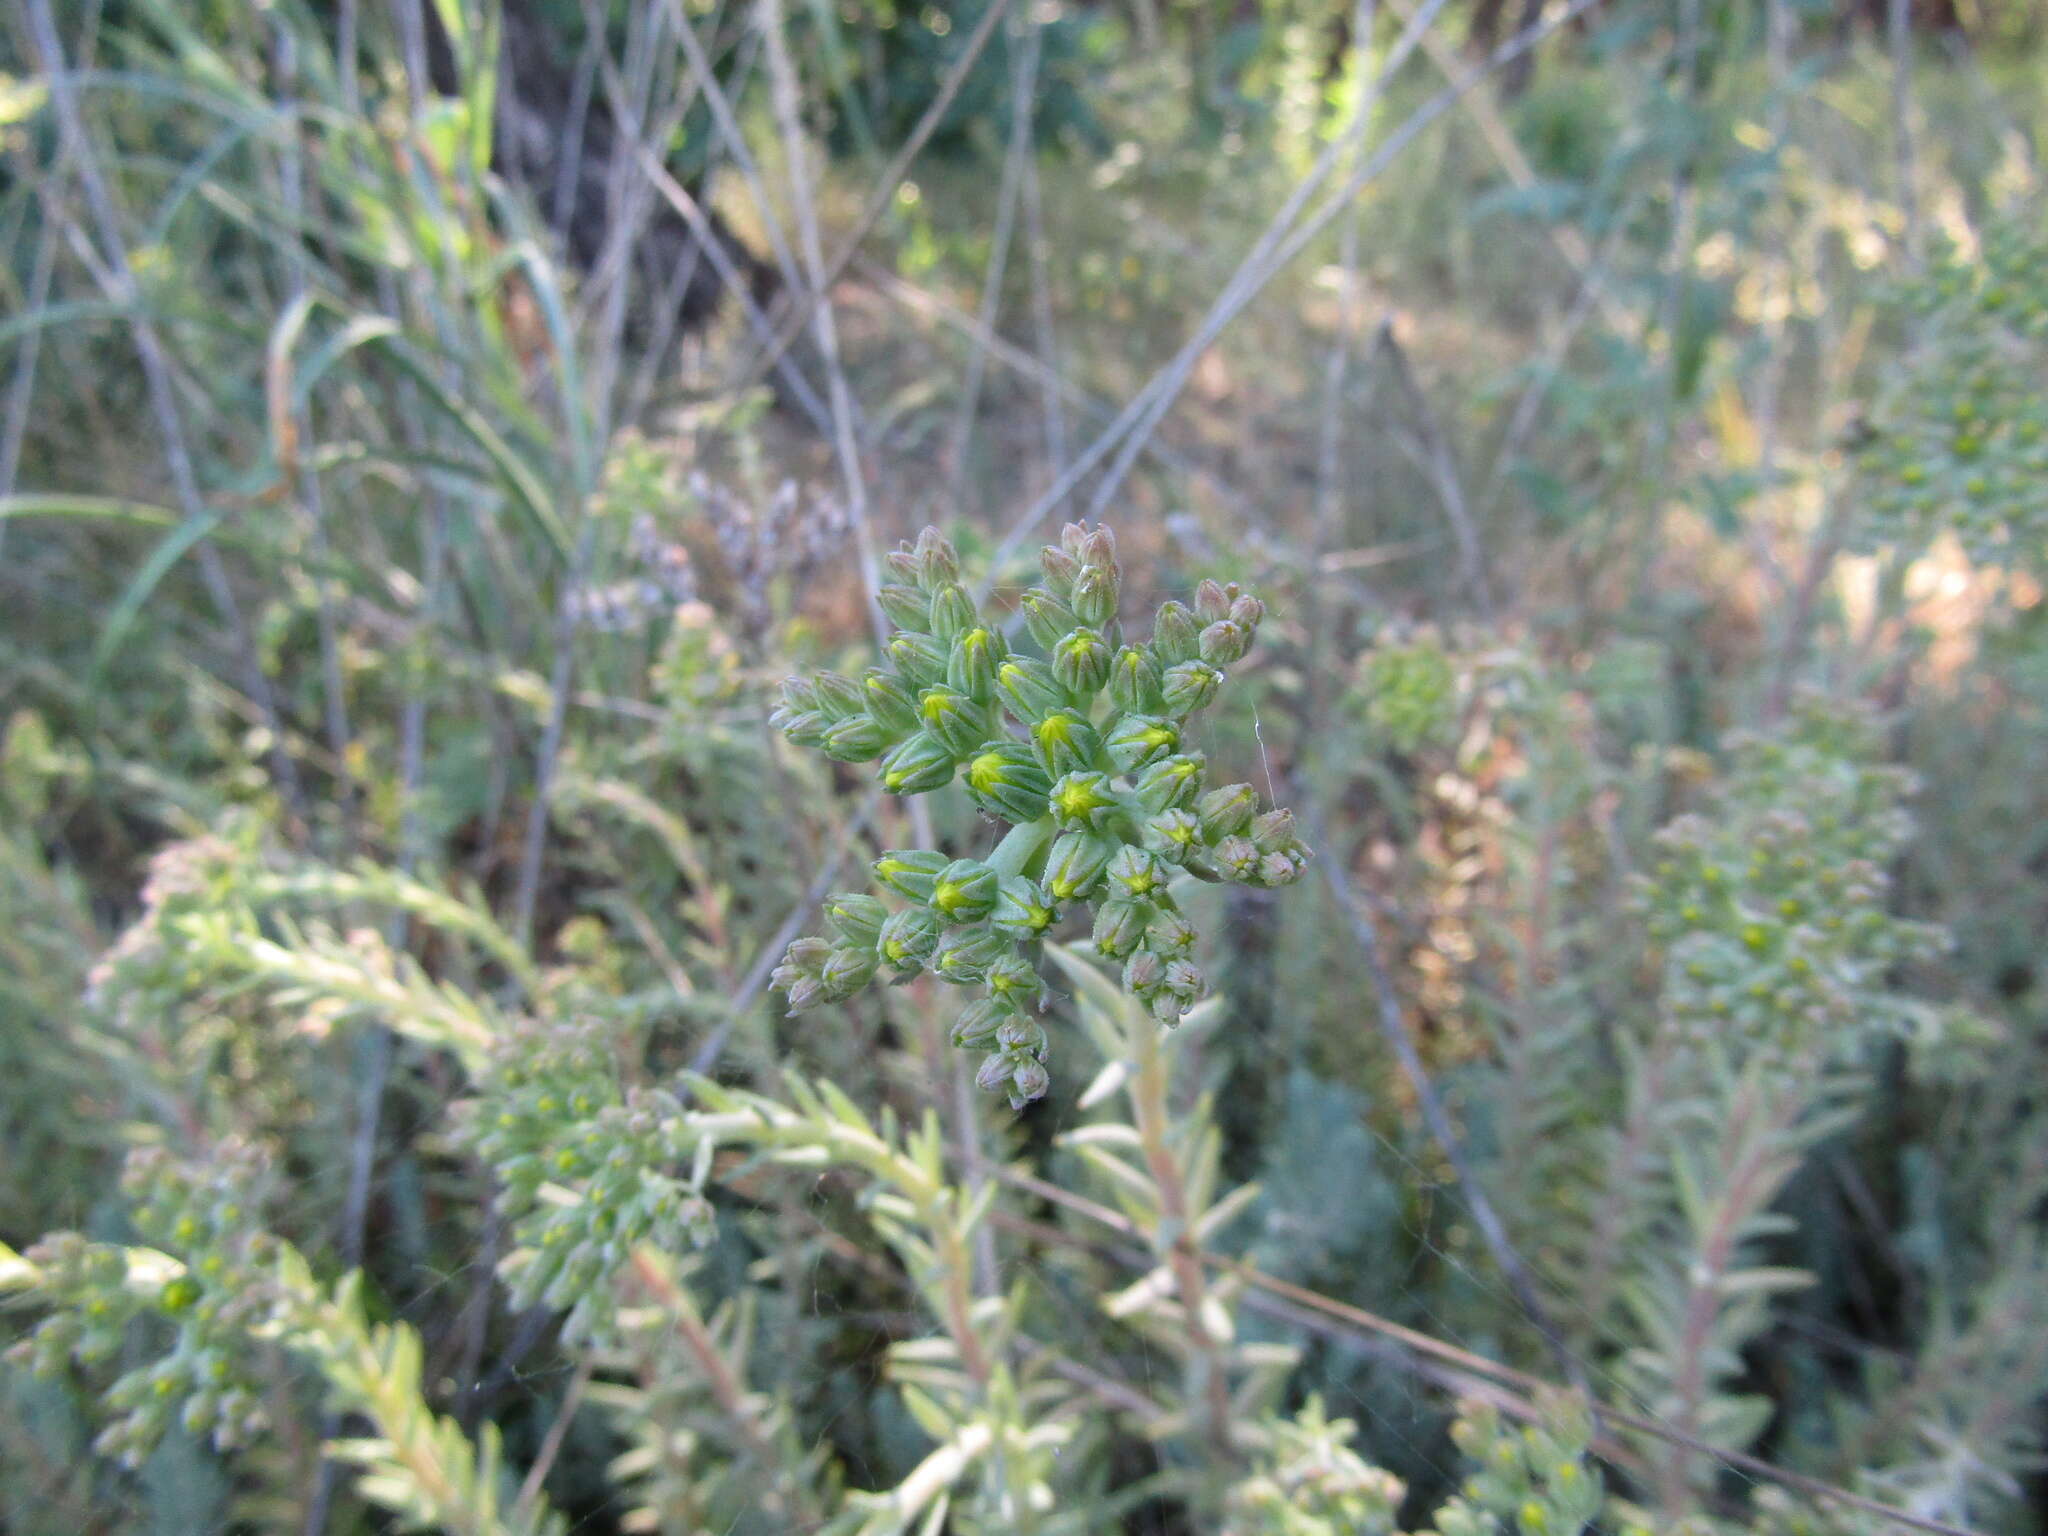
<point>800,989</point>
<point>938,564</point>
<point>1046,617</point>
<point>1247,613</point>
<point>1175,636</point>
<point>1235,858</point>
<point>838,695</point>
<point>889,701</point>
<point>1022,911</point>
<point>971,669</point>
<point>1277,869</point>
<point>909,937</point>
<point>1273,831</point>
<point>920,660</point>
<point>976,1027</point>
<point>1184,982</point>
<point>1134,678</point>
<point>952,612</point>
<point>902,564</point>
<point>1017,1033</point>
<point>1074,867</point>
<point>958,723</point>
<point>1170,935</point>
<point>1120,925</point>
<point>799,695</point>
<point>1065,742</point>
<point>1212,602</point>
<point>1097,546</point>
<point>1028,1081</point>
<point>1082,800</point>
<point>1173,835</point>
<point>1137,741</point>
<point>1081,662</point>
<point>1094,598</point>
<point>918,763</point>
<point>1060,568</point>
<point>1188,686</point>
<point>857,739</point>
<point>1016,982</point>
<point>1029,689</point>
<point>1136,872</point>
<point>1144,974</point>
<point>178,1295</point>
<point>845,971</point>
<point>965,891</point>
<point>1224,643</point>
<point>804,727</point>
<point>806,954</point>
<point>1172,781</point>
<point>911,872</point>
<point>965,954</point>
<point>1226,809</point>
<point>857,916</point>
<point>1004,778</point>
<point>993,1076</point>
<point>905,606</point>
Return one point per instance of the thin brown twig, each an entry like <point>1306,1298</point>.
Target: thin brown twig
<point>551,1444</point>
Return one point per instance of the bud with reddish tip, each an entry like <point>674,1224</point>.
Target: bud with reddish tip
<point>938,563</point>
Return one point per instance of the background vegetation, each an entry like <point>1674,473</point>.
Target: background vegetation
<point>423,452</point>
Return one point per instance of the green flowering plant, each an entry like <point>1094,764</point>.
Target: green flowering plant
<point>207,1283</point>
<point>1081,750</point>
<point>1774,908</point>
<point>583,1168</point>
<point>1408,692</point>
<point>1962,443</point>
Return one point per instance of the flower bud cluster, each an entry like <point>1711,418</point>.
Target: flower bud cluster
<point>202,1216</point>
<point>1772,908</point>
<point>1534,1481</point>
<point>553,1118</point>
<point>1963,444</point>
<point>1409,693</point>
<point>1079,744</point>
<point>1308,1481</point>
